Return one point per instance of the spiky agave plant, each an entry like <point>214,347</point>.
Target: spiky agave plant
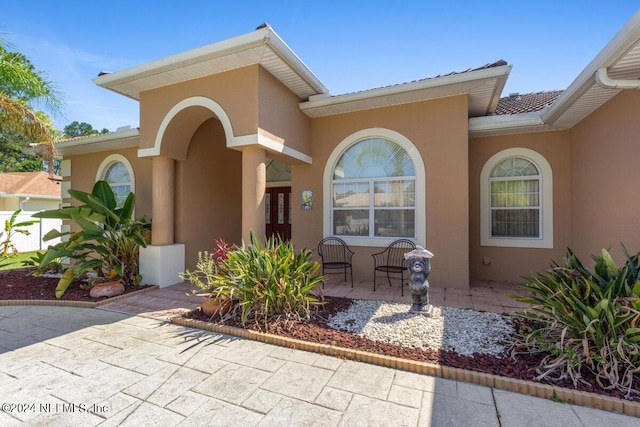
<point>585,320</point>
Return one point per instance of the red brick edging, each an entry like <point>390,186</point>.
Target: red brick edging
<point>81,304</point>
<point>545,391</point>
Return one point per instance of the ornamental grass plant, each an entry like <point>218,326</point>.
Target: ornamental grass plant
<point>585,320</point>
<point>270,279</point>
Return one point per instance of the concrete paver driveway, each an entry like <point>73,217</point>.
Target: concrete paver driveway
<point>72,366</point>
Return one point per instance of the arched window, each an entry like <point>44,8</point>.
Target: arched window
<point>517,200</point>
<point>117,172</point>
<point>373,191</point>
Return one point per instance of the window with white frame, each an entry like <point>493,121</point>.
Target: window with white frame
<point>375,189</point>
<point>117,172</point>
<point>517,200</point>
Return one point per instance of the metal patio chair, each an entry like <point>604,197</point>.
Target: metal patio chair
<point>391,261</point>
<point>335,254</point>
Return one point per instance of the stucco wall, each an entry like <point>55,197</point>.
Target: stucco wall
<point>84,168</point>
<point>208,193</point>
<point>280,115</point>
<point>511,264</point>
<point>438,129</point>
<point>605,177</point>
<point>235,91</point>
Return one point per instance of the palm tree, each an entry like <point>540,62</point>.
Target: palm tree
<point>22,89</point>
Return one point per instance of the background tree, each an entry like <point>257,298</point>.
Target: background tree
<point>23,91</point>
<point>75,129</point>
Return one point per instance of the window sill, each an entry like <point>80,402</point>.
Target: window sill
<point>518,243</point>
<point>376,242</point>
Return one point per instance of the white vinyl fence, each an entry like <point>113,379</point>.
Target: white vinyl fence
<point>33,241</point>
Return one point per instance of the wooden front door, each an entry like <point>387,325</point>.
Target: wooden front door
<point>278,212</point>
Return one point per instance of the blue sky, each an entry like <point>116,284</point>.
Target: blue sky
<point>349,45</point>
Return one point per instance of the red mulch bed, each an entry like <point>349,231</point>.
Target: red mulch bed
<point>316,330</point>
<point>21,284</point>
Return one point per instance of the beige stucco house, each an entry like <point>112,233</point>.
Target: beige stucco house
<point>233,134</point>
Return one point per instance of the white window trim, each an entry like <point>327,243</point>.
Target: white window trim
<point>110,160</point>
<point>546,177</point>
<point>420,187</point>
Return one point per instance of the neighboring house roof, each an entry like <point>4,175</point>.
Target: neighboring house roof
<point>517,103</point>
<point>32,184</point>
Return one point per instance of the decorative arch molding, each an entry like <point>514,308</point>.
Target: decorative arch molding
<point>420,185</point>
<point>194,101</point>
<point>232,141</point>
<point>110,160</point>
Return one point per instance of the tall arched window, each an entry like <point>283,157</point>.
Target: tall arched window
<point>373,195</point>
<point>517,200</point>
<point>117,172</point>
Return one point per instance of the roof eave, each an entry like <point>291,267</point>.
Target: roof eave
<point>263,36</point>
<point>612,52</point>
<point>314,106</point>
<point>111,80</point>
<point>506,124</point>
<point>93,144</point>
<point>33,196</point>
<point>295,63</point>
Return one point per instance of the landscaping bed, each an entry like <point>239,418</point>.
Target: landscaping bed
<point>318,331</point>
<point>21,284</point>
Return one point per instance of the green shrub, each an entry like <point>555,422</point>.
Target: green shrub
<point>270,279</point>
<point>107,243</point>
<point>208,266</point>
<point>52,267</point>
<point>585,320</point>
<point>11,228</point>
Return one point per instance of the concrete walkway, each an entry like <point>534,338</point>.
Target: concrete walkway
<point>73,366</point>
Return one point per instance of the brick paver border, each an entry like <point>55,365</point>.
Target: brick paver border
<point>81,304</point>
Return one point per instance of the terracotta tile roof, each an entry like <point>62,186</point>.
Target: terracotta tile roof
<point>31,183</point>
<point>498,63</point>
<point>526,103</point>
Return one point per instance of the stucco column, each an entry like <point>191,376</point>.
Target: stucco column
<point>163,196</point>
<point>254,178</point>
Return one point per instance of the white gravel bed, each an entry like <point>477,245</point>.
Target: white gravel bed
<point>461,330</point>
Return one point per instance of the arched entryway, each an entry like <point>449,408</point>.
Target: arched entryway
<point>196,188</point>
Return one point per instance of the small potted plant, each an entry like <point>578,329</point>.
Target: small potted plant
<point>209,267</point>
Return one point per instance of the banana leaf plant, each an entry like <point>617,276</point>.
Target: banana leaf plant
<point>107,242</point>
<point>11,228</point>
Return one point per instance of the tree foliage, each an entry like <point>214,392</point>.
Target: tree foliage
<point>75,129</point>
<point>24,93</point>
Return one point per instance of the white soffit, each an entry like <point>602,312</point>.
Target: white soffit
<point>483,87</point>
<point>262,46</point>
<point>621,57</point>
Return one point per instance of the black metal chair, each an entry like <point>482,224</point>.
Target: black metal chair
<point>391,261</point>
<point>335,254</point>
